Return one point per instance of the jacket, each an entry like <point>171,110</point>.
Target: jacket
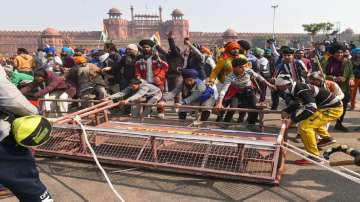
<point>312,98</point>
<point>159,70</point>
<point>300,70</point>
<point>124,70</point>
<point>146,90</point>
<point>173,57</point>
<point>222,69</point>
<point>346,71</point>
<point>24,62</point>
<point>188,95</point>
<point>52,83</point>
<point>12,101</point>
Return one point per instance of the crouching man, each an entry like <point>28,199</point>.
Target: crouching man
<point>192,91</point>
<point>48,85</point>
<point>320,108</point>
<point>238,90</point>
<point>139,91</point>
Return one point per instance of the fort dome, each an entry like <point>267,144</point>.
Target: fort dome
<point>230,33</point>
<point>177,12</point>
<point>50,32</point>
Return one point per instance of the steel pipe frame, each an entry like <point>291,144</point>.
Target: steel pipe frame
<point>276,167</point>
<point>92,110</point>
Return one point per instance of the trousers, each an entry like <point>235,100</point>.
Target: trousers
<point>19,174</point>
<point>317,123</point>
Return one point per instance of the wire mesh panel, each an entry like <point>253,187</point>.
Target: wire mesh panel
<point>219,157</point>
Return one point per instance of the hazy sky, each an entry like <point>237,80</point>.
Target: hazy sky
<point>207,16</point>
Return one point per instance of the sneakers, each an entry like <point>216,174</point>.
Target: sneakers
<point>325,142</point>
<point>341,127</point>
<point>305,162</point>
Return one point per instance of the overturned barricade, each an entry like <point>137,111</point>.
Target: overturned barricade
<point>232,154</point>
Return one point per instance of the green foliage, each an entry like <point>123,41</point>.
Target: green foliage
<point>315,28</point>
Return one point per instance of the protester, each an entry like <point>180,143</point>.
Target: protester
<point>90,82</point>
<point>356,71</point>
<point>139,91</point>
<point>18,168</point>
<point>150,67</point>
<point>238,90</point>
<point>194,58</point>
<point>192,91</point>
<point>175,60</point>
<point>288,65</point>
<point>263,67</point>
<point>321,107</point>
<point>124,70</point>
<point>340,70</point>
<point>67,57</point>
<point>24,62</point>
<point>300,55</point>
<point>224,66</point>
<point>50,86</point>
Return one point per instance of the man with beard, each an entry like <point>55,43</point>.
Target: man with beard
<point>150,67</point>
<point>339,69</point>
<point>124,70</point>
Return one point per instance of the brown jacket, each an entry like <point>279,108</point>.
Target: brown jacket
<point>24,62</point>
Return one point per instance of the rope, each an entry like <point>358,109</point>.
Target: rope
<point>77,119</point>
<point>322,159</point>
<point>349,177</point>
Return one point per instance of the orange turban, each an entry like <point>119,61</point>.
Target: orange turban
<point>206,51</point>
<point>79,60</point>
<point>231,46</point>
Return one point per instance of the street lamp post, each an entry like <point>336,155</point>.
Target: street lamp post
<point>274,7</point>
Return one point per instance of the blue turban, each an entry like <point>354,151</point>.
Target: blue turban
<point>50,50</point>
<point>355,51</point>
<point>190,73</point>
<point>122,51</point>
<point>68,50</point>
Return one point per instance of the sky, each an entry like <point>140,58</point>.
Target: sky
<point>204,15</point>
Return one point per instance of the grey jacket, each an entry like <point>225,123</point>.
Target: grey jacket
<point>146,90</point>
<point>187,95</point>
<point>12,101</point>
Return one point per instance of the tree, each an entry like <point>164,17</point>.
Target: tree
<point>315,28</point>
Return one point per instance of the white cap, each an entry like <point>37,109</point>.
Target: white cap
<point>132,47</point>
<point>283,79</point>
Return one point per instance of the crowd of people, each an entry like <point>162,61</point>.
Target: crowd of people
<point>316,84</point>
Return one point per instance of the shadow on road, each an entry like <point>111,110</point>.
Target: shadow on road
<point>291,188</point>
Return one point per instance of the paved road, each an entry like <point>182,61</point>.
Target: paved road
<point>75,181</point>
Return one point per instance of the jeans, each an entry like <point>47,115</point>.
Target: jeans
<point>19,173</point>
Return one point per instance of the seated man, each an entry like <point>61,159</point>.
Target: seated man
<point>192,91</point>
<point>320,108</point>
<point>139,91</point>
<point>50,86</point>
<point>238,90</point>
